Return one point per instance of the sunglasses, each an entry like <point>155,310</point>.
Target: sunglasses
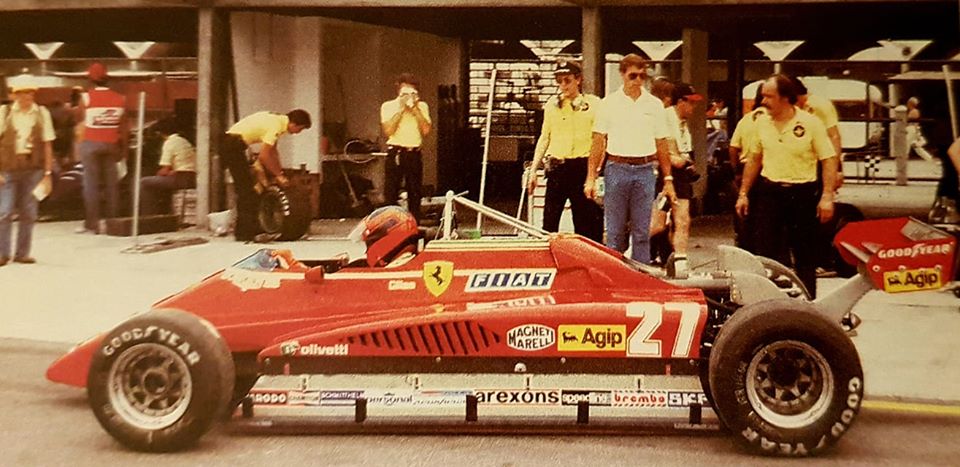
<point>633,76</point>
<point>565,79</point>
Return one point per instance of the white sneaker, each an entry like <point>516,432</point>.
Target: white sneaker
<point>83,230</point>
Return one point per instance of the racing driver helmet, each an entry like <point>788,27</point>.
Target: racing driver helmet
<point>388,232</point>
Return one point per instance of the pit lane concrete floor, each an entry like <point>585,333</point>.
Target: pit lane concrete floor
<point>85,284</point>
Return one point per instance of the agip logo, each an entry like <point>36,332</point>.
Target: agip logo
<point>592,338</point>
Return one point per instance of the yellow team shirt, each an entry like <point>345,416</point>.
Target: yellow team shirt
<point>746,131</point>
<point>261,127</point>
<point>568,133</point>
<point>791,155</point>
<point>408,131</point>
<point>823,109</point>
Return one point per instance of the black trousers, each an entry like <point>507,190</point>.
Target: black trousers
<point>405,169</point>
<point>565,181</point>
<point>785,218</point>
<point>233,152</point>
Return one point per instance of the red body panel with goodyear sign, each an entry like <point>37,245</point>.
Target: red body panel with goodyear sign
<point>565,296</point>
<point>901,254</point>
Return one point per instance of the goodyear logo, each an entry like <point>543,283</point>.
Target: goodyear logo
<point>510,280</point>
<point>912,280</point>
<point>592,338</point>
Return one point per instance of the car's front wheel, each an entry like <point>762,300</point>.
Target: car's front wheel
<point>785,380</point>
<point>159,380</point>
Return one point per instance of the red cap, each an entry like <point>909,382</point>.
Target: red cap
<point>97,72</point>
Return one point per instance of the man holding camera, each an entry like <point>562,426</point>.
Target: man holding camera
<point>565,141</point>
<point>405,120</point>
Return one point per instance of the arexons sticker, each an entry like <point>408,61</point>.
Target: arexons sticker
<point>518,396</point>
<point>592,337</point>
<point>506,280</point>
<point>531,337</point>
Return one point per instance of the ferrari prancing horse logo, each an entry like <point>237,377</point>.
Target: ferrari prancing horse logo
<point>437,276</point>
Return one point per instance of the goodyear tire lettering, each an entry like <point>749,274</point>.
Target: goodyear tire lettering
<point>164,336</point>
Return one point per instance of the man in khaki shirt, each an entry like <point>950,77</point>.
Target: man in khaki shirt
<point>782,161</point>
<point>564,148</point>
<point>26,160</point>
<point>405,120</point>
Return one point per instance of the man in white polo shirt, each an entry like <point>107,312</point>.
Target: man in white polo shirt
<point>630,133</point>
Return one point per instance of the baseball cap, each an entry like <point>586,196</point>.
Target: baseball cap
<point>22,87</point>
<point>568,67</point>
<point>97,72</point>
<point>685,91</point>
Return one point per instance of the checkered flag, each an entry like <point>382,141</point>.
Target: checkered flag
<point>870,165</point>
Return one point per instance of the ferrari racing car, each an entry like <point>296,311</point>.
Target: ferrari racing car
<point>526,329</point>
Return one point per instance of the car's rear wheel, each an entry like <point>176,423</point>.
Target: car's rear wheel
<point>159,380</point>
<point>785,379</point>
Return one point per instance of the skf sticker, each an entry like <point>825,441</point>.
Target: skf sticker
<point>437,276</point>
<point>911,280</point>
<point>531,337</point>
<point>510,280</point>
<point>592,338</point>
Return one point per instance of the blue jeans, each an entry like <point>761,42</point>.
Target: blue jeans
<point>99,166</point>
<point>16,196</point>
<point>628,200</point>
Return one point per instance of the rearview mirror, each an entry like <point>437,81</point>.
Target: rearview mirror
<point>314,275</point>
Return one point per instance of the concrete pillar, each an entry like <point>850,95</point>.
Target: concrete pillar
<point>592,41</point>
<point>696,71</point>
<point>212,74</point>
<point>898,141</point>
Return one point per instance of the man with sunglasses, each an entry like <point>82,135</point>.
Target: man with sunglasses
<point>565,141</point>
<point>405,121</point>
<point>630,133</point>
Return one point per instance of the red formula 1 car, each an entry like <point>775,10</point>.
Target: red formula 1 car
<point>527,330</point>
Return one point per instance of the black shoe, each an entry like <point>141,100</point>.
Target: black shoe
<point>265,237</point>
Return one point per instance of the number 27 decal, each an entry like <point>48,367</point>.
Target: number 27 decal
<point>641,342</point>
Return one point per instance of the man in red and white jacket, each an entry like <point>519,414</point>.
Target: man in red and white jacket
<point>102,137</point>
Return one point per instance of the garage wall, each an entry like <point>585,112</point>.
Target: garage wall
<point>278,67</point>
<point>339,71</point>
<point>363,62</point>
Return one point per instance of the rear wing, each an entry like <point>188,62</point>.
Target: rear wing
<point>899,254</point>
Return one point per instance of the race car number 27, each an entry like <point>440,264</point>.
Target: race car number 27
<point>641,342</point>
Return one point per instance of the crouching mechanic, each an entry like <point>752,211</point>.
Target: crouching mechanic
<point>264,128</point>
<point>390,234</point>
<point>565,141</point>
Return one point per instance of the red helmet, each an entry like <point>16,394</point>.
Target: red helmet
<point>387,232</point>
<point>97,72</point>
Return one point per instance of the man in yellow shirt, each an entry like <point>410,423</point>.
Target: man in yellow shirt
<point>823,109</point>
<point>782,161</point>
<point>564,149</point>
<point>265,128</point>
<point>740,141</point>
<point>405,120</point>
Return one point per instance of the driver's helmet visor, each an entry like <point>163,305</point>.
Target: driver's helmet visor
<point>356,235</point>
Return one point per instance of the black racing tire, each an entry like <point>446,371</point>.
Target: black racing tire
<point>159,380</point>
<point>786,380</point>
<point>285,212</point>
<point>785,279</point>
